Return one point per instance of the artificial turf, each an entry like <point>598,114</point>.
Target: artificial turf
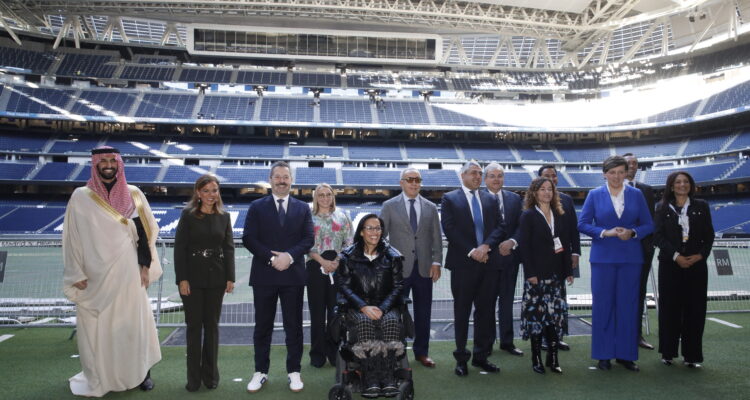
<point>36,363</point>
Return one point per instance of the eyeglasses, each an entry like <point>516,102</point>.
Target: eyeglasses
<point>413,179</point>
<point>373,228</point>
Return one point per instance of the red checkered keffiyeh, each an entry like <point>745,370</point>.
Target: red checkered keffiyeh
<point>119,197</point>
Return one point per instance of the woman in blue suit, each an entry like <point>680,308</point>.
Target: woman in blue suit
<point>616,217</point>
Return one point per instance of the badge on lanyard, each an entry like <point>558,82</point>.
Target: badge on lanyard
<point>558,245</point>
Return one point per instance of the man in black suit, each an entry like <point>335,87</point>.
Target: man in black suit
<point>278,232</point>
<point>510,208</point>
<point>474,229</point>
<point>647,243</point>
<point>549,172</point>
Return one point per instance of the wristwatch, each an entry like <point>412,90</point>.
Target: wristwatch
<point>273,258</point>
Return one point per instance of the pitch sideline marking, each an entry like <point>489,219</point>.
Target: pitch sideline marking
<point>5,337</point>
<point>721,321</point>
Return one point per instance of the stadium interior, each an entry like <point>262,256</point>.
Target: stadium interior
<point>352,107</point>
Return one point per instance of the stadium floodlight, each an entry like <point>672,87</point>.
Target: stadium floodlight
<point>260,89</point>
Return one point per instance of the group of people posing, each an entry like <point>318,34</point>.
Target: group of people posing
<point>110,259</point>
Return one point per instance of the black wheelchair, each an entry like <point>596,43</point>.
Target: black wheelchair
<point>349,372</point>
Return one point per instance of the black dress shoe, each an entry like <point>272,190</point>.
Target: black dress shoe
<point>461,369</point>
<point>604,365</point>
<point>512,350</point>
<point>486,366</point>
<point>642,343</point>
<point>211,385</point>
<point>628,365</point>
<point>563,346</point>
<point>666,361</point>
<point>192,387</point>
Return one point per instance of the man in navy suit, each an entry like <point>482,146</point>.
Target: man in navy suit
<point>549,172</point>
<point>509,205</point>
<point>278,232</point>
<point>474,229</point>
<point>647,243</point>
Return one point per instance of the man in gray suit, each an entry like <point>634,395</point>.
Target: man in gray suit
<point>510,208</point>
<point>412,226</point>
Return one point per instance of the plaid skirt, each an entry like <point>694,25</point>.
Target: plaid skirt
<point>543,305</point>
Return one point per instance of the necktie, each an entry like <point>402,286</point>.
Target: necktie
<point>499,196</point>
<point>477,214</point>
<point>282,212</point>
<point>413,215</point>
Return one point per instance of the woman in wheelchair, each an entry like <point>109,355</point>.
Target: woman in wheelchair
<point>369,278</point>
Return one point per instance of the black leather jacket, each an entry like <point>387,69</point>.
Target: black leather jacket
<point>370,283</point>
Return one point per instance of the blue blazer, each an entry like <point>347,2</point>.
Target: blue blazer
<point>512,209</point>
<point>263,233</point>
<point>458,226</point>
<point>598,215</point>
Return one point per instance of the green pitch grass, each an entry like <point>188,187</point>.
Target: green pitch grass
<point>36,364</point>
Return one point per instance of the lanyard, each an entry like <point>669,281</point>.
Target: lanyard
<point>550,224</point>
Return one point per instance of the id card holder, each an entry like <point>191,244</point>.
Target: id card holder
<point>558,245</point>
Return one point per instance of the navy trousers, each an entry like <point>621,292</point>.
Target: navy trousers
<point>421,289</point>
<point>265,299</point>
<point>615,316</point>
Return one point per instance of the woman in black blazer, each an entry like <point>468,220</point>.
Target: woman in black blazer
<point>545,254</point>
<point>684,235</point>
<point>204,271</point>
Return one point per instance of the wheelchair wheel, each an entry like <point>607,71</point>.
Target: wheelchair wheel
<point>405,391</point>
<point>339,392</point>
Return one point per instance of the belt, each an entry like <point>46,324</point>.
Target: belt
<point>209,253</point>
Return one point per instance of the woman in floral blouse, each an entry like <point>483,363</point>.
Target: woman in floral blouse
<point>333,232</point>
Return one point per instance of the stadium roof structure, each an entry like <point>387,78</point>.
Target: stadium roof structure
<point>522,34</point>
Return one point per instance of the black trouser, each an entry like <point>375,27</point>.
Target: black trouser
<point>682,309</point>
<point>321,300</point>
<point>474,284</point>
<point>648,255</point>
<point>202,311</point>
<point>421,294</point>
<point>265,299</point>
<point>506,291</point>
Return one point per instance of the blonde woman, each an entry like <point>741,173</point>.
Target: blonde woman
<point>333,233</point>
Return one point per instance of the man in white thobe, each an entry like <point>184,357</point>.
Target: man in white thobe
<point>109,237</point>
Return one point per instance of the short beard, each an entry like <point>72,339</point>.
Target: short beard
<point>103,175</point>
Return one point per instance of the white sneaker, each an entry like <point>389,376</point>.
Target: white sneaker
<point>295,382</point>
<point>256,382</point>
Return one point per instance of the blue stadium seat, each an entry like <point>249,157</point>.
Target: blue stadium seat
<point>345,111</point>
<point>315,151</point>
<point>228,107</point>
<point>35,61</point>
<point>14,171</point>
<point>26,143</point>
<point>316,80</point>
<point>490,152</point>
<point>363,151</point>
<point>29,100</point>
<point>538,153</point>
<point>444,178</point>
<point>104,103</point>
<point>147,73</point>
<point>403,113</point>
<point>256,149</point>
<point>314,176</point>
<point>84,65</point>
<point>269,78</point>
<point>242,175</point>
<point>370,177</point>
<point>286,109</point>
<point>157,105</point>
<point>184,173</point>
<point>55,171</point>
<point>445,116</point>
<point>425,152</point>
